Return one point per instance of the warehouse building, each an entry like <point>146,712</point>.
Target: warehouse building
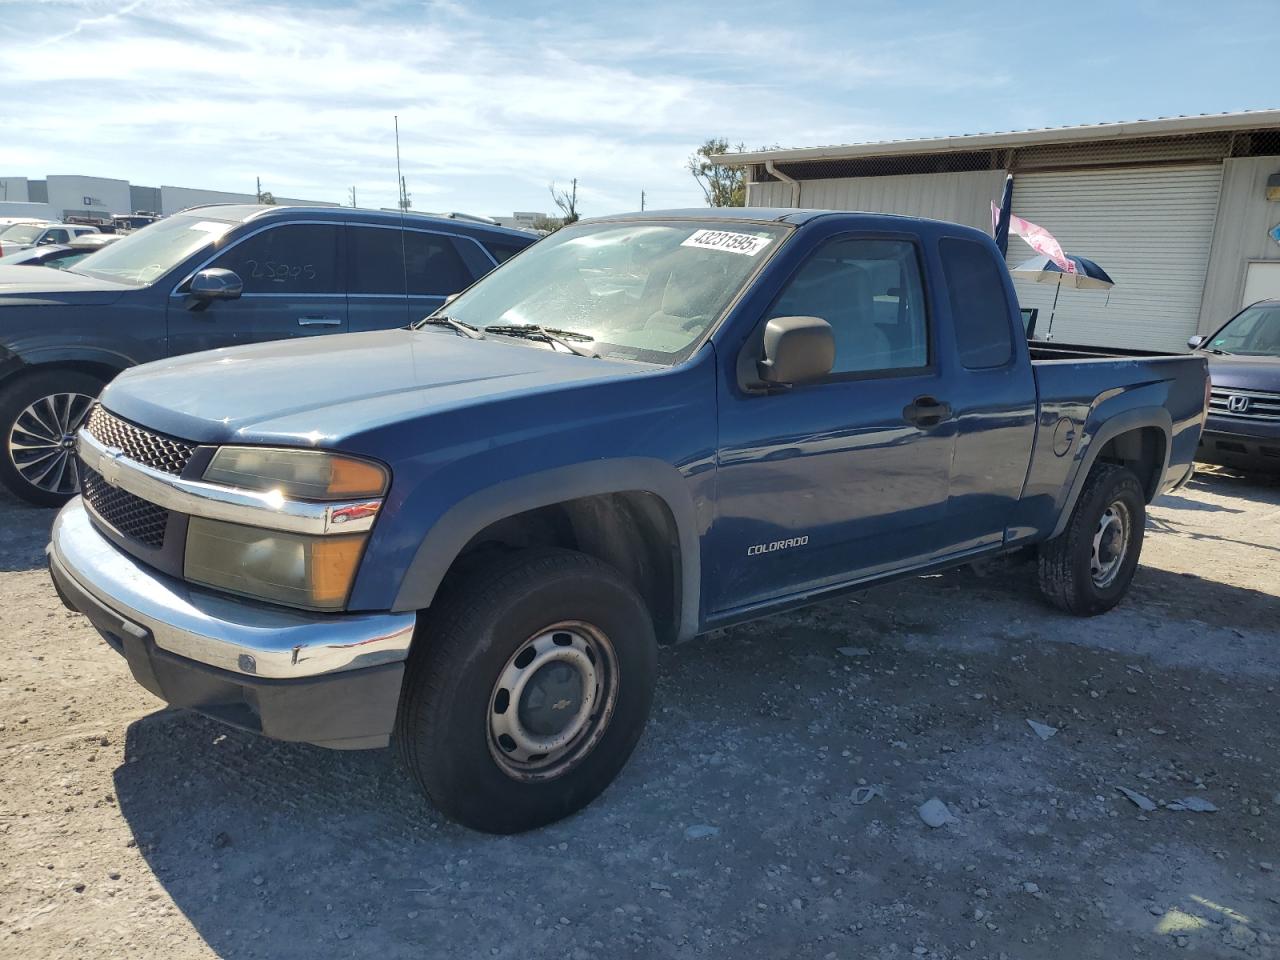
<point>1181,212</point>
<point>102,197</point>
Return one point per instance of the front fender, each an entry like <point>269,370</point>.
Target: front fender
<point>461,522</point>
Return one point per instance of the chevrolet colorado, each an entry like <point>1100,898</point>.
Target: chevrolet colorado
<point>472,534</point>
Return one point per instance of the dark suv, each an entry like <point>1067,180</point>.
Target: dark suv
<point>1243,430</point>
<point>209,277</point>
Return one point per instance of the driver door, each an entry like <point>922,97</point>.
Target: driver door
<point>293,287</point>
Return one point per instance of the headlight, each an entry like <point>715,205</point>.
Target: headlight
<point>301,474</point>
<point>314,569</point>
<point>288,568</point>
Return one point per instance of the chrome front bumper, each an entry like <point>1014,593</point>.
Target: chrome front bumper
<point>239,636</point>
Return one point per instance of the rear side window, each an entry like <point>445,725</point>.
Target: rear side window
<point>294,258</point>
<point>502,252</point>
<point>434,266</point>
<point>375,261</point>
<point>379,257</point>
<point>979,309</point>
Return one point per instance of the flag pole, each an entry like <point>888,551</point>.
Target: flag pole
<point>1048,334</point>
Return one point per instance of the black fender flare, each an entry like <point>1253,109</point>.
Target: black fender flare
<point>1136,419</point>
<point>18,363</point>
<point>455,529</point>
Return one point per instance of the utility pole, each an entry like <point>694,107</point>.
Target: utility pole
<point>259,179</point>
<point>642,201</point>
<point>351,195</point>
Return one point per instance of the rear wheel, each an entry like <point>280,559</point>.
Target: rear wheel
<point>39,417</point>
<point>528,690</point>
<point>1087,569</point>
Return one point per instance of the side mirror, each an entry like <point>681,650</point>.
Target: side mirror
<point>1195,342</point>
<point>797,350</point>
<point>216,283</point>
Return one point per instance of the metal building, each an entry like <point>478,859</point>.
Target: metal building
<point>1181,212</point>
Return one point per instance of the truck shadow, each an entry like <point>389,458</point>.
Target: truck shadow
<point>286,850</point>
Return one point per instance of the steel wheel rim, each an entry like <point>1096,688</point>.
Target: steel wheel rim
<point>536,730</point>
<point>42,442</point>
<point>1110,544</point>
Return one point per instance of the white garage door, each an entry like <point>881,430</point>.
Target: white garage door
<point>1150,228</point>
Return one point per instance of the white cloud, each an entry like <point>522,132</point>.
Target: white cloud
<point>491,108</point>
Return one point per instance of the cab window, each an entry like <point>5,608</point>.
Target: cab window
<point>871,293</point>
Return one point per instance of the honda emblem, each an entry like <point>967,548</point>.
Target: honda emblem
<point>1237,403</point>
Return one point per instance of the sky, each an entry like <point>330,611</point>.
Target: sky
<point>497,100</point>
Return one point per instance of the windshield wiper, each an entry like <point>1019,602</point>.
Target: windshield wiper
<point>1221,353</point>
<point>557,338</point>
<point>442,320</point>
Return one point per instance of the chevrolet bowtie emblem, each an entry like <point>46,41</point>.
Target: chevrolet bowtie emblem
<point>110,468</point>
<point>560,705</point>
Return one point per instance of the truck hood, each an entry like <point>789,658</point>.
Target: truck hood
<point>1245,373</point>
<point>318,391</point>
<point>34,286</point>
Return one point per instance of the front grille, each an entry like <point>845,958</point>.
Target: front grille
<point>156,450</point>
<point>1256,405</point>
<point>132,516</point>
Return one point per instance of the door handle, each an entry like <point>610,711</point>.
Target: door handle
<point>319,322</point>
<point>926,412</point>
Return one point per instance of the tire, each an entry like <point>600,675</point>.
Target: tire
<point>454,714</point>
<point>1087,578</point>
<point>39,415</point>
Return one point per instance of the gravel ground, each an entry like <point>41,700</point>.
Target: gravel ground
<point>127,829</point>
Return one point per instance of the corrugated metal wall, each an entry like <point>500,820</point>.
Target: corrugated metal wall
<point>1150,228</point>
<point>958,197</point>
<point>1244,217</point>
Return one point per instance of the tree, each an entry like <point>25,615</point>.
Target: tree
<point>723,186</point>
<point>547,224</point>
<point>567,201</point>
<point>265,196</point>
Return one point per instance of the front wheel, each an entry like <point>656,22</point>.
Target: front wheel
<point>1087,569</point>
<point>528,690</point>
<point>39,416</point>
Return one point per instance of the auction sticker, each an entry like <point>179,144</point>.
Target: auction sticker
<point>728,241</point>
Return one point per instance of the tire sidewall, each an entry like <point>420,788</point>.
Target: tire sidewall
<point>1124,487</point>
<point>15,398</point>
<point>458,724</point>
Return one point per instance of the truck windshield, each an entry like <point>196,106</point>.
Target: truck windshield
<point>643,290</point>
<point>22,232</point>
<point>149,254</point>
<point>1254,332</point>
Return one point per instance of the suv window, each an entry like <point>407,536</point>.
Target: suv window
<point>435,267</point>
<point>55,236</point>
<point>871,294</point>
<point>979,309</point>
<point>293,258</point>
<point>502,251</point>
<point>375,264</point>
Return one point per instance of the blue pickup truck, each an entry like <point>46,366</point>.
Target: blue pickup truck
<point>472,534</point>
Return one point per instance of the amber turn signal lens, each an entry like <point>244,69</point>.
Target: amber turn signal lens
<point>355,478</point>
<point>333,567</point>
